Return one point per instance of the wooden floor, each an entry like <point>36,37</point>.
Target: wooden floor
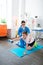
<point>7,58</point>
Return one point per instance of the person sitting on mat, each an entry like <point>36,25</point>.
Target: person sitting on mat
<point>23,28</point>
<point>29,40</point>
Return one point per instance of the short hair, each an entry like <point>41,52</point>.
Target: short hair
<point>23,21</point>
<point>25,33</point>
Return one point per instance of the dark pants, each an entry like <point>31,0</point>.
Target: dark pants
<point>31,44</point>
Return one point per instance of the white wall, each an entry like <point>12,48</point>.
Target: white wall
<point>22,9</point>
<point>18,10</point>
<point>15,7</point>
<point>34,7</point>
<point>15,11</point>
<point>9,13</point>
<point>2,9</point>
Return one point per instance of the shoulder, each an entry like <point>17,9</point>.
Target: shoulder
<point>27,27</point>
<point>20,27</point>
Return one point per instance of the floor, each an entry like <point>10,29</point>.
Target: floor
<point>7,58</point>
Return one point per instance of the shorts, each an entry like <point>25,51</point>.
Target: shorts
<point>31,44</point>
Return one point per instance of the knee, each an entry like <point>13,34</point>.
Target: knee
<point>29,48</point>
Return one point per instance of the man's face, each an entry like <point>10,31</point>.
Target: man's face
<point>23,24</point>
<point>24,36</point>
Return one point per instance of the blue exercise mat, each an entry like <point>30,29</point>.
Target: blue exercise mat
<point>20,51</point>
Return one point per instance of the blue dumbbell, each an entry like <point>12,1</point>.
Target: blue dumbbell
<point>9,40</point>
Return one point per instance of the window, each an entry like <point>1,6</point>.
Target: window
<point>2,9</point>
<point>6,11</point>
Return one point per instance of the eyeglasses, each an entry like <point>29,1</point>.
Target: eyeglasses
<point>23,23</point>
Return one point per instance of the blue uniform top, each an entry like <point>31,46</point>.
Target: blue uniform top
<point>26,29</point>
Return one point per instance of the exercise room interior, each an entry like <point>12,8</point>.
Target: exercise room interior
<point>12,13</point>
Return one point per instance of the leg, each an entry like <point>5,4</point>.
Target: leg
<point>28,47</point>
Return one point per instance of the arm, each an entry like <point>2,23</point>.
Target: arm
<point>28,47</point>
<point>19,34</point>
<point>20,31</point>
<point>16,39</point>
<point>27,29</point>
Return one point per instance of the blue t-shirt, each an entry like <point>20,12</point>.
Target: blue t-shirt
<point>26,29</point>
